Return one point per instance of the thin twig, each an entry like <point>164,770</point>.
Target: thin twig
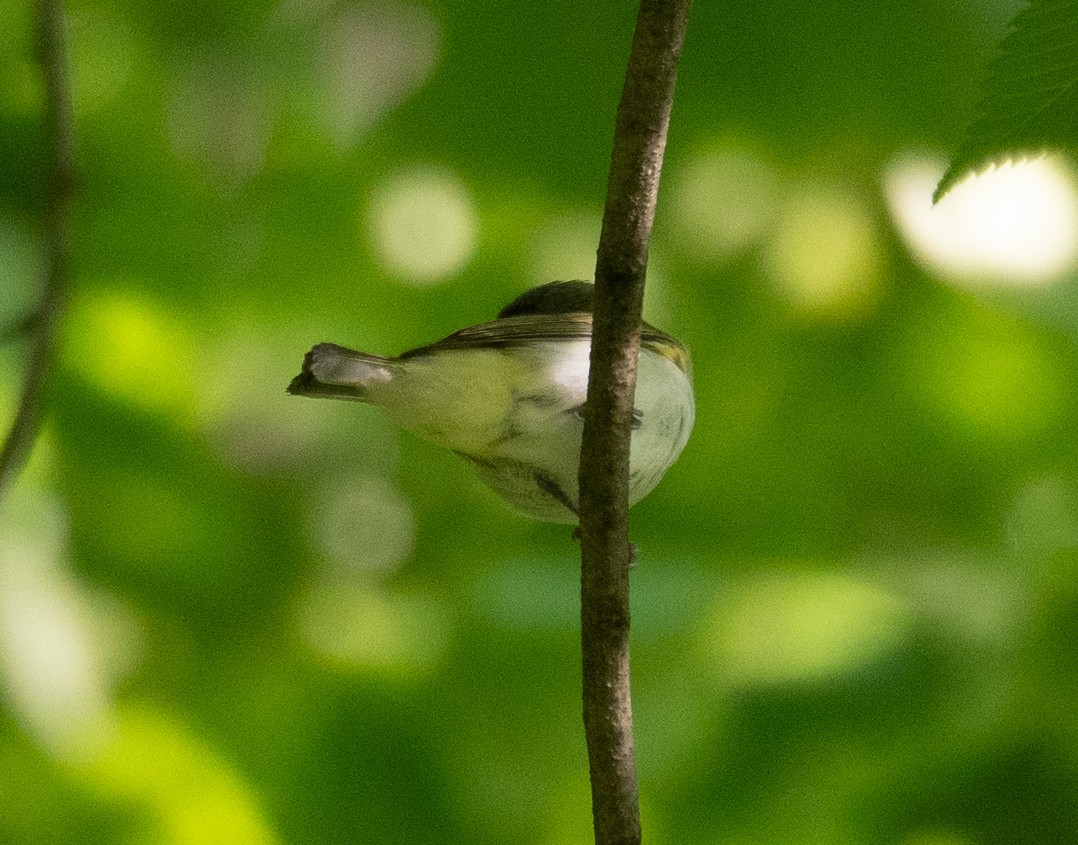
<point>636,162</point>
<point>59,133</point>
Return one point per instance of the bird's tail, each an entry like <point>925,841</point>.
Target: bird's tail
<point>339,373</point>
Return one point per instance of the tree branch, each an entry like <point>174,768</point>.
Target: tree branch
<point>636,162</point>
<point>59,131</point>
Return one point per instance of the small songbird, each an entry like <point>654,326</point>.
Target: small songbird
<point>508,397</point>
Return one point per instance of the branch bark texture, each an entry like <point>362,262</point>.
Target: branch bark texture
<point>639,141</point>
<point>42,325</point>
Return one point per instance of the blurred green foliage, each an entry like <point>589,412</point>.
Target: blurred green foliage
<point>1026,106</point>
<point>231,616</point>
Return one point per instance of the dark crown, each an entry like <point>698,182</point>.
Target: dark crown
<point>552,298</point>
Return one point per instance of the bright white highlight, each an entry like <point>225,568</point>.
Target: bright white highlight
<point>569,370</point>
<point>56,662</point>
<point>1015,225</point>
<point>56,683</point>
<point>423,225</point>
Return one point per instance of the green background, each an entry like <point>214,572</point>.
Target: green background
<point>232,616</point>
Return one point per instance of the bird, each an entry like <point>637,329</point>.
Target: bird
<point>508,397</point>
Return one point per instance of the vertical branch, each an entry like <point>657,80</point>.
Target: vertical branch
<point>636,162</point>
<point>42,326</point>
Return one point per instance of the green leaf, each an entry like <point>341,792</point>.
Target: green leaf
<point>1030,103</point>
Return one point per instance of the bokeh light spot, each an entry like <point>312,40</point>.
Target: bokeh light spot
<point>367,628</point>
<point>375,57</point>
<point>986,375</point>
<point>1043,518</point>
<point>134,351</point>
<point>1015,225</point>
<point>219,117</point>
<point>194,797</point>
<point>824,257</point>
<point>722,202</point>
<point>779,628</point>
<point>976,603</point>
<point>423,225</point>
<point>363,523</point>
<point>54,672</point>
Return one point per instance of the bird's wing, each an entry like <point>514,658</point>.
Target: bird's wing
<point>528,328</point>
<point>510,331</point>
